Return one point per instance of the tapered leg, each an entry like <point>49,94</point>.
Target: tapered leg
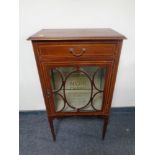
<point>105,124</point>
<point>50,120</point>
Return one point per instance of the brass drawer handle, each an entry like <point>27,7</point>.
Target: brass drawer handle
<point>82,51</point>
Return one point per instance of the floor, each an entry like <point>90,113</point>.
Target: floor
<point>77,135</point>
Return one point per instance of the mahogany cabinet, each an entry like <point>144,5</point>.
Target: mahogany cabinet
<point>77,70</point>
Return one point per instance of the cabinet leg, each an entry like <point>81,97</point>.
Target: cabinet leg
<point>50,120</point>
<point>105,124</point>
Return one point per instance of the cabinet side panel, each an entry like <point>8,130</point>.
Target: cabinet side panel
<point>42,78</point>
<point>113,78</point>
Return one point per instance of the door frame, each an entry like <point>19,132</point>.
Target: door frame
<point>46,65</point>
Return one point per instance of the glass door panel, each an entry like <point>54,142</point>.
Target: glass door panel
<point>78,89</point>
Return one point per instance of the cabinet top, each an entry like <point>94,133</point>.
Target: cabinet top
<point>77,34</point>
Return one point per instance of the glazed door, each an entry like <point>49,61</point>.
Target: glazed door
<point>79,88</point>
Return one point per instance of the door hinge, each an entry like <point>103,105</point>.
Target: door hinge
<point>48,93</point>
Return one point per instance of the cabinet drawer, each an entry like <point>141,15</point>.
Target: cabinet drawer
<point>83,50</point>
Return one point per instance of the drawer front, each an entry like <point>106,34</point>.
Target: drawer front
<point>84,50</point>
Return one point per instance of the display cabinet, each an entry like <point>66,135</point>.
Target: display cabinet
<point>77,70</point>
